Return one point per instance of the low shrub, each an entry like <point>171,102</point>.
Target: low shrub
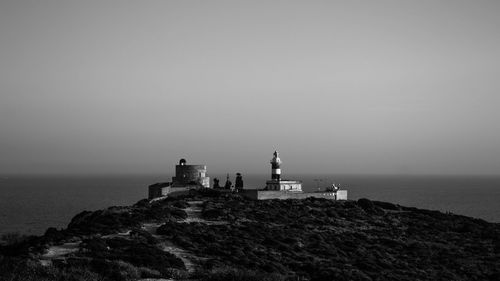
<point>11,238</point>
<point>231,274</point>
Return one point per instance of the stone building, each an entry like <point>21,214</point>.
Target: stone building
<point>186,175</point>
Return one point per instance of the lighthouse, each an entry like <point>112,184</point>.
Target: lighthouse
<point>275,165</point>
<point>279,187</point>
<point>276,182</point>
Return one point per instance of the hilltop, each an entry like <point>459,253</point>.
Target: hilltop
<point>209,235</point>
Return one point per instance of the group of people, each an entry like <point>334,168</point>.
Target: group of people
<point>238,185</point>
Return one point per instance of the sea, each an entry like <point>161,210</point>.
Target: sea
<point>29,204</point>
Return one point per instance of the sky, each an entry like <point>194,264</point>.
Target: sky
<point>377,87</point>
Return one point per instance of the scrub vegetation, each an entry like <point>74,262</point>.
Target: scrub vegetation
<point>311,239</point>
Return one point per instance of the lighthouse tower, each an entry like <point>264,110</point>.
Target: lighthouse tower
<point>275,164</point>
<point>276,182</point>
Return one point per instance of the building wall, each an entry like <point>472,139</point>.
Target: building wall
<point>271,194</point>
<point>158,190</point>
<point>189,174</point>
<point>205,181</point>
<point>284,185</point>
<point>178,191</point>
<point>342,194</point>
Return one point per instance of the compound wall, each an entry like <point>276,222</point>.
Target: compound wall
<point>270,194</point>
<point>158,190</point>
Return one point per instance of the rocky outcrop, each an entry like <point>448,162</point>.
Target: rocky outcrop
<point>238,239</point>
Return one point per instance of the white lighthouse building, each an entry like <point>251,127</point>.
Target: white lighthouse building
<point>276,183</point>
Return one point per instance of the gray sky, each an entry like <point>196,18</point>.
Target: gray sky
<point>335,86</point>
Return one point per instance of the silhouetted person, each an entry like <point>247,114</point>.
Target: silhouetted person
<point>228,184</point>
<point>216,183</point>
<point>239,182</point>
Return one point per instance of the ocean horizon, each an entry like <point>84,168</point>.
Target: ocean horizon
<point>29,204</point>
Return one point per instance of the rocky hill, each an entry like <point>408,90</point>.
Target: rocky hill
<point>215,236</point>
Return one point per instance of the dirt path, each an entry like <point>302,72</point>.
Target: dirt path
<point>193,215</point>
<point>186,257</point>
<point>58,252</point>
<point>194,212</point>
